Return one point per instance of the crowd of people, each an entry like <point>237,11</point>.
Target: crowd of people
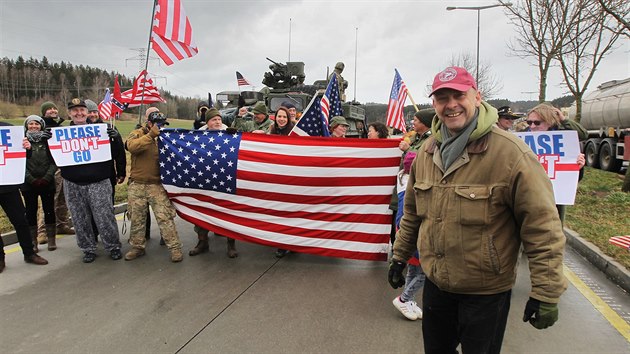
<point>470,195</point>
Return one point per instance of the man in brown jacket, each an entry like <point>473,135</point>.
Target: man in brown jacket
<point>145,188</point>
<point>475,195</point>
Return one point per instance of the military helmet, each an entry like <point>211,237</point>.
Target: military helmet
<point>338,120</point>
<point>340,65</point>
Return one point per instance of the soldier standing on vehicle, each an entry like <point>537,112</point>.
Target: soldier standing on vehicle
<point>145,188</point>
<point>475,195</point>
<point>343,84</point>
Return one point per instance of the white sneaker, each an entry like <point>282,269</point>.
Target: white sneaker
<point>406,308</point>
<point>416,309</point>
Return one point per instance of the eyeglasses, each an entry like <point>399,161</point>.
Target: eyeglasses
<point>534,122</point>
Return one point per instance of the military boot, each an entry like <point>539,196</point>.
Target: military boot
<point>202,244</point>
<point>231,248</point>
<point>134,253</point>
<point>33,231</point>
<point>176,255</point>
<point>51,235</point>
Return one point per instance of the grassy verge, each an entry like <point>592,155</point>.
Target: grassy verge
<point>601,211</point>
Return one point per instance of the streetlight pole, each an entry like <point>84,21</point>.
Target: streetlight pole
<point>478,9</point>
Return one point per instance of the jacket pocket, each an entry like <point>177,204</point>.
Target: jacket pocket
<point>422,193</point>
<point>473,204</point>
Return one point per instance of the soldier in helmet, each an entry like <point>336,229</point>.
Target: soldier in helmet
<point>343,84</point>
<point>145,188</point>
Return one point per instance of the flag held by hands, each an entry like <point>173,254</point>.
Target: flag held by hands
<point>306,194</point>
<point>396,105</point>
<point>171,35</point>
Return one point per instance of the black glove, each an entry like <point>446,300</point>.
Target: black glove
<point>113,133</point>
<point>395,275</point>
<point>40,183</point>
<point>231,130</point>
<point>540,314</point>
<point>46,134</point>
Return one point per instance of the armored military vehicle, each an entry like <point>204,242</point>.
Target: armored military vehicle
<point>285,82</point>
<point>228,103</point>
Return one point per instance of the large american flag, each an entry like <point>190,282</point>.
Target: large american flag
<point>171,35</point>
<point>397,98</point>
<point>306,194</point>
<point>142,92</point>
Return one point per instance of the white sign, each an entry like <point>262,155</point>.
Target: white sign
<point>12,155</point>
<point>557,152</point>
<point>80,144</point>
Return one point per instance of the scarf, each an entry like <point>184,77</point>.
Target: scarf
<point>453,146</point>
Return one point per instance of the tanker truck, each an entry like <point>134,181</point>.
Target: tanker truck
<point>606,116</point>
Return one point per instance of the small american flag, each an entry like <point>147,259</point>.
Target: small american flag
<point>312,122</point>
<point>143,92</point>
<point>397,98</point>
<point>105,107</point>
<point>171,35</point>
<point>331,105</point>
<point>621,241</point>
<point>307,194</point>
<point>240,80</point>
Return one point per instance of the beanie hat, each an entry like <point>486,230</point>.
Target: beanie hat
<point>46,106</point>
<point>287,104</point>
<point>36,118</point>
<point>213,112</point>
<point>91,105</point>
<point>260,108</point>
<point>425,116</point>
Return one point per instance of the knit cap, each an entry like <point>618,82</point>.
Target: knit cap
<point>46,106</point>
<point>34,117</point>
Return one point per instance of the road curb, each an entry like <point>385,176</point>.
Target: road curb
<point>10,237</point>
<point>613,270</point>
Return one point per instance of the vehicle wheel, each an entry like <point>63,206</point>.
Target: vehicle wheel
<point>607,159</point>
<point>590,153</point>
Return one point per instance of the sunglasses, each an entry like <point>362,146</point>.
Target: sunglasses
<point>534,122</point>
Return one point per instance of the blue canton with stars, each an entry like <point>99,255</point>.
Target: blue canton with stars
<point>200,159</point>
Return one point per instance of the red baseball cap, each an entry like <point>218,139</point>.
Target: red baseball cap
<point>455,78</point>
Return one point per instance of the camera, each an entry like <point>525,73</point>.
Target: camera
<point>157,118</point>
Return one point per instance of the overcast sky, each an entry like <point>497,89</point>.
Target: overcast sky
<point>416,37</point>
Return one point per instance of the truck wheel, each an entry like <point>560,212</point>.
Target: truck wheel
<point>607,159</point>
<point>590,153</point>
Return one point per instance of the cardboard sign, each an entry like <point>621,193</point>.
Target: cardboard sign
<point>557,152</point>
<point>12,155</point>
<point>80,144</point>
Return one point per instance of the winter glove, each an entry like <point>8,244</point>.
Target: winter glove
<point>46,134</point>
<point>40,183</point>
<point>113,133</point>
<point>154,132</point>
<point>231,130</point>
<point>540,314</point>
<point>395,275</point>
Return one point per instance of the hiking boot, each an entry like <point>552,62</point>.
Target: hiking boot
<point>202,247</point>
<point>42,239</point>
<point>133,254</point>
<point>281,253</point>
<point>406,308</point>
<point>65,230</point>
<point>176,255</point>
<point>35,259</point>
<point>231,248</point>
<point>89,257</point>
<point>115,254</point>
<point>51,235</point>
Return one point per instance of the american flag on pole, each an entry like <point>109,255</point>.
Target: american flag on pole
<point>143,92</point>
<point>306,194</point>
<point>331,105</point>
<point>312,122</point>
<point>171,35</point>
<point>105,107</point>
<point>397,98</point>
<point>240,80</point>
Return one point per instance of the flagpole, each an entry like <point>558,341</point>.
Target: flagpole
<point>356,46</point>
<point>146,62</point>
<point>412,101</point>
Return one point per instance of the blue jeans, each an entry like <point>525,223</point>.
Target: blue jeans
<point>476,321</point>
<point>414,281</point>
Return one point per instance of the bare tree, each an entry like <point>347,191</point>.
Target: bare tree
<point>591,37</point>
<point>541,27</point>
<point>487,82</point>
<point>619,9</point>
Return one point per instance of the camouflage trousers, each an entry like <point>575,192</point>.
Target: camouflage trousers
<point>140,196</point>
<point>89,201</point>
